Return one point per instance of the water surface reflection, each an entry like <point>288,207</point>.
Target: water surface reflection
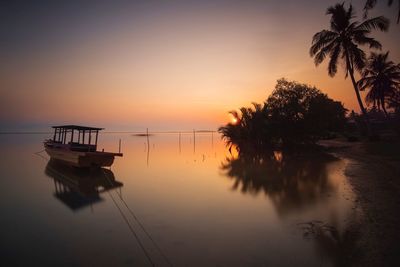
<point>291,181</point>
<point>182,196</point>
<point>79,188</point>
<point>340,248</point>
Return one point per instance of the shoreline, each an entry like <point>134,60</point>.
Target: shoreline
<point>374,176</point>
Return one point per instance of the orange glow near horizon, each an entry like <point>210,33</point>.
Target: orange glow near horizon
<point>170,68</point>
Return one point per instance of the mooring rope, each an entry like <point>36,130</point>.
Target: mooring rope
<point>141,225</point>
<point>132,231</point>
<point>38,153</point>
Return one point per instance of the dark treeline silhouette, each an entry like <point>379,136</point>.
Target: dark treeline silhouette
<point>379,76</point>
<point>342,42</point>
<point>293,115</point>
<point>382,78</point>
<point>296,114</point>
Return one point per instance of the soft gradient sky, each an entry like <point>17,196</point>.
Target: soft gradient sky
<point>166,65</point>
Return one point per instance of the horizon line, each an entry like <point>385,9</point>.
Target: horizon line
<point>112,132</point>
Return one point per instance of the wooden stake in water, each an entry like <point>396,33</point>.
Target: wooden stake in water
<point>194,141</point>
<point>119,146</point>
<point>148,146</point>
<point>179,142</point>
<point>147,136</point>
<point>212,139</point>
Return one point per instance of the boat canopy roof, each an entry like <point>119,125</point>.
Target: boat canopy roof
<point>77,127</point>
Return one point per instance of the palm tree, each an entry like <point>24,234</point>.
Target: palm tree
<point>342,42</point>
<point>382,78</point>
<point>370,4</point>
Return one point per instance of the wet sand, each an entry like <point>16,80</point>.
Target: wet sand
<point>374,174</point>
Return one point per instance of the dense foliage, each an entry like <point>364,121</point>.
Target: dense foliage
<point>342,42</point>
<point>294,114</point>
<point>382,78</point>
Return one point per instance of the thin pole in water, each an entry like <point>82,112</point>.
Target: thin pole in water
<point>212,139</point>
<point>119,146</point>
<point>180,142</point>
<point>194,141</point>
<point>148,146</point>
<point>147,136</point>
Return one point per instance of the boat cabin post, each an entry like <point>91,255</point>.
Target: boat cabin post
<point>65,135</point>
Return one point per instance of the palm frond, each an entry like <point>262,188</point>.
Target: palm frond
<point>332,66</point>
<point>339,17</point>
<point>320,56</point>
<point>361,39</point>
<point>382,78</point>
<point>350,13</point>
<point>257,106</point>
<point>357,57</point>
<point>369,4</point>
<point>320,40</point>
<point>365,82</point>
<point>378,23</point>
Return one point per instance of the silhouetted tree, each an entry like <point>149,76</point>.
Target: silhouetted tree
<point>299,113</point>
<point>342,42</point>
<point>250,130</point>
<point>294,114</point>
<point>369,4</point>
<point>382,78</point>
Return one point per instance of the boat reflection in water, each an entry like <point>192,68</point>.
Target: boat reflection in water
<point>78,188</point>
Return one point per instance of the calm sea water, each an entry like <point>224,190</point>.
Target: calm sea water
<point>199,204</point>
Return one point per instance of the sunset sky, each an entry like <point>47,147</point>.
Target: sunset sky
<point>165,65</point>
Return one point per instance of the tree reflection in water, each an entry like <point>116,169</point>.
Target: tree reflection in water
<point>292,181</point>
<point>339,247</point>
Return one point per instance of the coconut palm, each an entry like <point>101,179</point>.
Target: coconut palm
<point>369,4</point>
<point>382,78</point>
<point>342,41</point>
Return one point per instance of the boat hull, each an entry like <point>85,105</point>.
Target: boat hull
<point>82,159</point>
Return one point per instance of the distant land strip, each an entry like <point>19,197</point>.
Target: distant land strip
<point>22,132</point>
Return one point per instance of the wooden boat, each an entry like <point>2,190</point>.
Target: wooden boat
<point>77,146</point>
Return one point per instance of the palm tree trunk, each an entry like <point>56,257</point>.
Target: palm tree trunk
<point>384,108</point>
<point>364,112</point>
<point>360,103</point>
